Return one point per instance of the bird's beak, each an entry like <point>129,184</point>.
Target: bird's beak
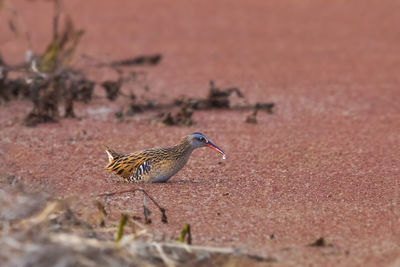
<point>211,145</point>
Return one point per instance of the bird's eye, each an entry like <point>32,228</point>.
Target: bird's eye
<point>202,139</point>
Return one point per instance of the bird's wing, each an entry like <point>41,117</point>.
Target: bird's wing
<point>131,166</point>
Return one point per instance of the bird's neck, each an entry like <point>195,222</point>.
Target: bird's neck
<point>184,147</point>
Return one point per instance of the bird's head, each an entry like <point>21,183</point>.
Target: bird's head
<point>200,140</point>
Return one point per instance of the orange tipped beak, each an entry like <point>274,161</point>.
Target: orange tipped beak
<point>211,145</point>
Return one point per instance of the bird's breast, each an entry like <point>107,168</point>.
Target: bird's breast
<point>166,168</point>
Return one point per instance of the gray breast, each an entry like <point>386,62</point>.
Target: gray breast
<point>160,176</point>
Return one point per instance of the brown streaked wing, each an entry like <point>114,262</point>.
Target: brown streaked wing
<point>127,164</point>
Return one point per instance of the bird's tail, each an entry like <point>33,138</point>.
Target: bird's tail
<point>112,155</point>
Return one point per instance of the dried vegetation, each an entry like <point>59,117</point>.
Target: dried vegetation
<point>49,80</point>
<point>38,230</point>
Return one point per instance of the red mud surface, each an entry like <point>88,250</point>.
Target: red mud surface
<point>325,164</point>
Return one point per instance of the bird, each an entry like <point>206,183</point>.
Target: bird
<point>156,165</point>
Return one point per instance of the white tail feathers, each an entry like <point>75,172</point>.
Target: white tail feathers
<point>112,155</point>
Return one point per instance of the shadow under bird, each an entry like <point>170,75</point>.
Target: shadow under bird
<point>157,165</point>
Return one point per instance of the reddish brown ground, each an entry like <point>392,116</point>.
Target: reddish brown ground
<point>325,164</point>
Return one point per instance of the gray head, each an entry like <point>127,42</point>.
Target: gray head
<point>200,140</point>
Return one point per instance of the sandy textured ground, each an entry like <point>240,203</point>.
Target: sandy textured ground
<point>325,164</point>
